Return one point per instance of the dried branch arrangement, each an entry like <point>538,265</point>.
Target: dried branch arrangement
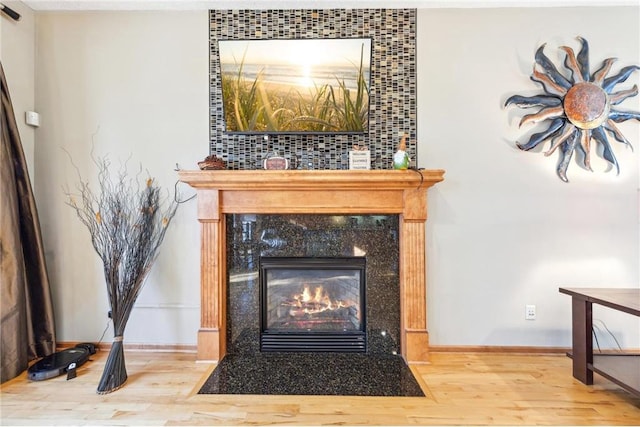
<point>127,222</point>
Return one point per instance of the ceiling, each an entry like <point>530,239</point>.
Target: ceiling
<point>305,4</point>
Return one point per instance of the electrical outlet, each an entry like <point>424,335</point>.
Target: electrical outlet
<point>109,315</point>
<point>530,312</point>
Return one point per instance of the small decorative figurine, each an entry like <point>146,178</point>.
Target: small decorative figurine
<point>212,162</point>
<point>401,158</point>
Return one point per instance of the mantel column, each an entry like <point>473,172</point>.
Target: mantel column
<point>413,292</point>
<point>212,333</point>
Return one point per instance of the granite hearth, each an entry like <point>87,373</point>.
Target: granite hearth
<point>328,374</point>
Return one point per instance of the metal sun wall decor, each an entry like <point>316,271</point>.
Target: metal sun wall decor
<point>580,107</point>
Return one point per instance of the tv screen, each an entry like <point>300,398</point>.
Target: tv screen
<point>296,85</point>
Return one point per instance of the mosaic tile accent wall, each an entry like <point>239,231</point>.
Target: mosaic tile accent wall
<point>392,92</point>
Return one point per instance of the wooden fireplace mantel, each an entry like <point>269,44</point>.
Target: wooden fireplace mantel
<point>223,192</point>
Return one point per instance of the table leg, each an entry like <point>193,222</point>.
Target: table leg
<point>582,340</point>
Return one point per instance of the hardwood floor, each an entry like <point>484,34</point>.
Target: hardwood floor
<point>462,389</point>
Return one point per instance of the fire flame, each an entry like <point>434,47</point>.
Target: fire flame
<point>316,301</point>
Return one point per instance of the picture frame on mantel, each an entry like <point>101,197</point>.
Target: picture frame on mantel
<point>359,160</point>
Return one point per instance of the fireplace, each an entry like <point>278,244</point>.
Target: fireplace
<point>389,192</point>
<point>312,304</point>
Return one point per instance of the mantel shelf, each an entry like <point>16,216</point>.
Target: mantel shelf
<point>311,179</point>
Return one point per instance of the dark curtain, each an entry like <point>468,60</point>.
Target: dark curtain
<point>27,329</point>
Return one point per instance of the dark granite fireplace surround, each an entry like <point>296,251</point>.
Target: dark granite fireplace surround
<point>372,236</point>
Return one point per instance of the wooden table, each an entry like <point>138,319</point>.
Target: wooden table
<point>621,368</point>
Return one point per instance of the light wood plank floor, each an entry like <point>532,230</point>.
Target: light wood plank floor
<point>463,389</point>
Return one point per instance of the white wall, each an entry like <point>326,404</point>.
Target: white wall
<point>128,84</point>
<point>504,231</point>
<point>17,50</point>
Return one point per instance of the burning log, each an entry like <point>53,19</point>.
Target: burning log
<point>302,312</point>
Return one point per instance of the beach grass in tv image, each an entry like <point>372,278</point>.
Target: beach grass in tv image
<point>296,85</point>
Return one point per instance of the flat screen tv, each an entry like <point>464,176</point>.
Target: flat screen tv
<point>296,85</point>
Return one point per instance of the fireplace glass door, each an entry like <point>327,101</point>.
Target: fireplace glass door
<point>312,304</point>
